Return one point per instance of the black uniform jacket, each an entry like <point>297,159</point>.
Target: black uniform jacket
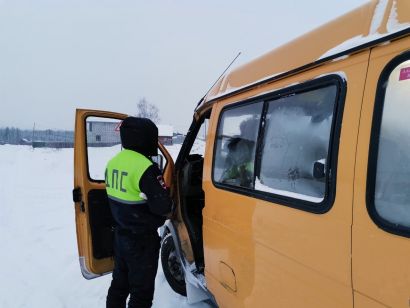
<point>147,216</point>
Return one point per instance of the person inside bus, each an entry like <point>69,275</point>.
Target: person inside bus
<point>239,163</point>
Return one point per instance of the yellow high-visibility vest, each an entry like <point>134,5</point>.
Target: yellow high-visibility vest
<point>123,174</point>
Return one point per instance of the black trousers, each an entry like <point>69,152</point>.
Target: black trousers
<point>135,267</point>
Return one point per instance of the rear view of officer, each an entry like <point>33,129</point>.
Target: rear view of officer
<point>139,202</point>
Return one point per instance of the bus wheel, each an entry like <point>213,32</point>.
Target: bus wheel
<point>172,266</point>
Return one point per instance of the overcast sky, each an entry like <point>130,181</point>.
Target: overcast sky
<point>56,56</point>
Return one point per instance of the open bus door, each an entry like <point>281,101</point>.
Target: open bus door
<point>97,140</point>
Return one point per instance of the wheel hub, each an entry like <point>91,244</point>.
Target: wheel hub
<point>175,267</point>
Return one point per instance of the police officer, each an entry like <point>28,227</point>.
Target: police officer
<point>139,202</point>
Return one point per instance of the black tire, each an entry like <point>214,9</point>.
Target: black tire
<point>172,266</point>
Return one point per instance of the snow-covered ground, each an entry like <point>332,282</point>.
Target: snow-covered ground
<point>39,261</point>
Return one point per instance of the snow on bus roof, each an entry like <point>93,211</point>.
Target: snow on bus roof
<point>372,21</point>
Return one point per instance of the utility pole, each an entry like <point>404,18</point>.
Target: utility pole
<point>32,137</point>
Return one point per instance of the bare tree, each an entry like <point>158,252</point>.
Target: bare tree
<point>147,110</point>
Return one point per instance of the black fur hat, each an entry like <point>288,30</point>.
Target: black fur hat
<point>139,135</point>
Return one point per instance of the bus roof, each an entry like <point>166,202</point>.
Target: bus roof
<point>376,22</point>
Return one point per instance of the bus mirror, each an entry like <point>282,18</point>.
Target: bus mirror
<point>159,160</point>
<point>319,169</point>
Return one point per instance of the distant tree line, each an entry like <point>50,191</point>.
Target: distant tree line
<point>13,135</point>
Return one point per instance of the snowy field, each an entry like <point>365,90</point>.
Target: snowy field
<point>39,259</point>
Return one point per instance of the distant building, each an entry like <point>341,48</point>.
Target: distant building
<point>178,138</point>
<point>25,141</point>
<point>165,133</point>
<point>100,133</point>
<point>103,133</point>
